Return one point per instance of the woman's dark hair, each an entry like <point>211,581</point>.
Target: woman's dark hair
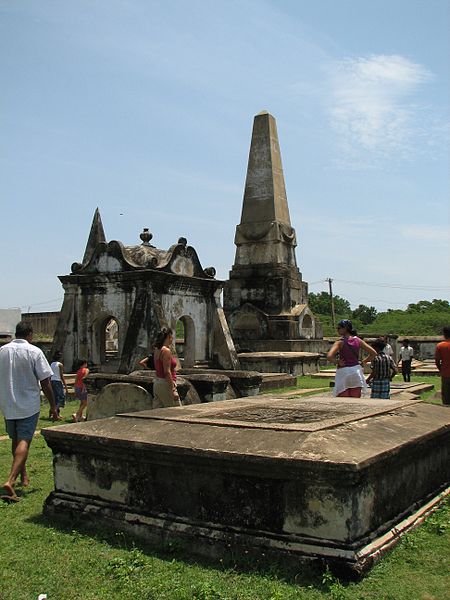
<point>446,332</point>
<point>346,324</point>
<point>80,362</point>
<point>159,342</point>
<point>406,342</point>
<point>56,356</point>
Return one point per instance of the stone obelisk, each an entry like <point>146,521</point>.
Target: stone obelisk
<point>96,235</point>
<point>265,297</point>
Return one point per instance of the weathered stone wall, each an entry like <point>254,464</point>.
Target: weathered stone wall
<point>44,323</point>
<point>424,346</point>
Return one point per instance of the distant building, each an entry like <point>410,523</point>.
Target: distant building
<point>9,317</point>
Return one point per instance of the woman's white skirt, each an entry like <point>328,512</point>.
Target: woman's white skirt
<point>350,377</point>
<point>162,393</point>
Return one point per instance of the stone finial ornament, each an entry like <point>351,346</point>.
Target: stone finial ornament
<point>146,236</point>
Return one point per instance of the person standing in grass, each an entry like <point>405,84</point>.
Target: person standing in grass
<point>406,356</point>
<point>442,360</point>
<point>58,382</point>
<point>80,390</point>
<point>349,381</point>
<point>383,370</point>
<point>24,370</point>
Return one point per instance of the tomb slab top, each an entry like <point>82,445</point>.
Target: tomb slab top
<point>271,412</point>
<point>354,434</point>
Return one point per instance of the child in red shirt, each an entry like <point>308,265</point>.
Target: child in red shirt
<point>80,390</point>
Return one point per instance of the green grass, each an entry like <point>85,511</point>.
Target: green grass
<point>44,420</point>
<point>70,561</point>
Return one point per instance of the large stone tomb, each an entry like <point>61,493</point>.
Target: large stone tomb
<point>337,479</point>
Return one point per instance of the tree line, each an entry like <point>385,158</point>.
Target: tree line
<point>420,318</point>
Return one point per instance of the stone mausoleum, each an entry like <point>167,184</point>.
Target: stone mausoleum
<point>118,297</point>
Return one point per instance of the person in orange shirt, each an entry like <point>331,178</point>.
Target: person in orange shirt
<point>442,359</point>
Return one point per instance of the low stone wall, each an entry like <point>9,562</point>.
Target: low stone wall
<point>424,346</point>
<point>44,323</point>
<point>113,393</point>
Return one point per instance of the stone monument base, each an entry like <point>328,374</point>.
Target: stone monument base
<point>293,363</point>
<point>293,479</point>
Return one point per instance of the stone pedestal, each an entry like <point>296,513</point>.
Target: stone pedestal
<point>338,479</point>
<point>210,387</point>
<point>294,363</point>
<point>244,383</point>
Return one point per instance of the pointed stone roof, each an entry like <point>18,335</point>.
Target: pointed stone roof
<point>96,235</point>
<point>265,192</point>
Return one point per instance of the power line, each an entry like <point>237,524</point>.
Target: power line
<point>388,285</point>
<point>397,286</point>
<point>28,306</point>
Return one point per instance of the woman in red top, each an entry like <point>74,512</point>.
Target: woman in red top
<point>164,385</point>
<point>80,390</point>
<point>349,380</point>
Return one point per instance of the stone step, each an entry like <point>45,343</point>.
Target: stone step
<point>273,381</point>
<point>427,371</point>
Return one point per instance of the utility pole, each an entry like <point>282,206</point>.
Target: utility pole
<point>333,314</point>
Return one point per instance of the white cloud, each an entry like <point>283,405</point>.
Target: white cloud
<point>373,110</point>
<point>435,234</point>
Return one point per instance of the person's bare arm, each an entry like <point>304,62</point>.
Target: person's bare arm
<point>143,362</point>
<point>61,374</point>
<point>437,360</point>
<point>394,369</point>
<point>48,391</point>
<point>371,353</point>
<point>334,350</point>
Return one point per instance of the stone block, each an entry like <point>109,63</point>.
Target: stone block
<point>336,479</point>
<point>115,398</point>
<point>210,387</point>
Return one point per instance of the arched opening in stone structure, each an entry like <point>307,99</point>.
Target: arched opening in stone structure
<point>185,341</point>
<point>111,339</point>
<point>179,339</point>
<point>105,343</point>
<point>307,328</point>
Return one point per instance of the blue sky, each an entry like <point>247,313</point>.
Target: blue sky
<point>145,109</point>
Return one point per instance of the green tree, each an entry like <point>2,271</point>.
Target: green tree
<point>425,306</point>
<point>365,314</point>
<point>321,304</point>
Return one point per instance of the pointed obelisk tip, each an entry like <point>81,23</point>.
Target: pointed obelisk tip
<point>96,235</point>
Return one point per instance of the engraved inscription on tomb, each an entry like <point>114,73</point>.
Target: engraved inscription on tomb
<point>269,414</point>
